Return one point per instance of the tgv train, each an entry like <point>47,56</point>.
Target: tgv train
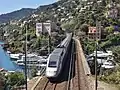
<point>57,58</point>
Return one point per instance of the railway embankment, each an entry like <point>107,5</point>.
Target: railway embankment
<point>90,78</point>
<point>83,59</point>
<point>32,82</point>
<point>85,66</point>
<point>36,83</point>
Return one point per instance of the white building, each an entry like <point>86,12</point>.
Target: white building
<point>101,56</point>
<point>34,15</point>
<point>47,27</point>
<point>32,60</point>
<point>112,10</point>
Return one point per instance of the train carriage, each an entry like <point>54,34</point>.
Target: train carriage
<point>57,58</point>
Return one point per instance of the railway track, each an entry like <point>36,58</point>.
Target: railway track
<point>45,84</point>
<point>79,81</point>
<point>76,69</point>
<point>72,77</point>
<point>77,78</point>
<point>61,84</point>
<point>49,86</point>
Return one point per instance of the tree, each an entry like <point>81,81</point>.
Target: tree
<point>109,29</point>
<point>116,51</point>
<point>15,79</point>
<point>34,71</point>
<point>2,81</point>
<point>84,28</point>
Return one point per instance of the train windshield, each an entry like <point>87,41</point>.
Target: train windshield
<point>52,64</point>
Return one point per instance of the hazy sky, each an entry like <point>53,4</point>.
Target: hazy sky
<point>11,5</point>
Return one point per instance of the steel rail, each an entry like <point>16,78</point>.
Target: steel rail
<point>38,81</point>
<point>45,86</point>
<point>78,68</point>
<point>51,87</point>
<point>54,87</point>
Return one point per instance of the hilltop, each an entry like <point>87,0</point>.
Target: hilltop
<point>16,15</point>
<point>26,12</point>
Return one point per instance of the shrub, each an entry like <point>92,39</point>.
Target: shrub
<point>113,78</point>
<point>15,79</point>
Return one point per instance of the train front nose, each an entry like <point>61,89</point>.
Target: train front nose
<point>51,73</point>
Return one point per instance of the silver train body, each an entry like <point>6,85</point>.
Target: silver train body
<point>57,58</point>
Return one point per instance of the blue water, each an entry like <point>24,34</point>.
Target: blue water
<point>6,63</point>
<point>1,43</point>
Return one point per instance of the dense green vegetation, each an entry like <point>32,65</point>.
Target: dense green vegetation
<point>2,81</point>
<point>11,80</point>
<point>110,42</point>
<point>15,79</point>
<point>112,77</point>
<point>16,39</point>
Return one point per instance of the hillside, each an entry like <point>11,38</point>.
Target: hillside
<point>25,12</point>
<point>70,14</point>
<point>16,15</point>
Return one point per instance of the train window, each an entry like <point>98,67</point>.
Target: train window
<point>52,64</point>
<point>62,53</point>
<point>60,46</point>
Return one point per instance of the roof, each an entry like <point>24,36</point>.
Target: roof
<point>1,69</point>
<point>92,30</point>
<point>57,51</point>
<point>54,58</point>
<point>56,54</point>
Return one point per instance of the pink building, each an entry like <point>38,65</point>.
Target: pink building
<point>94,33</point>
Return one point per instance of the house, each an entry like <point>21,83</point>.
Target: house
<point>102,56</point>
<point>94,33</point>
<point>1,34</point>
<point>46,27</point>
<point>116,30</point>
<point>34,15</point>
<point>13,22</point>
<point>113,10</point>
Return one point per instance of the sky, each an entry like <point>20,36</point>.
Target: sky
<point>7,6</point>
